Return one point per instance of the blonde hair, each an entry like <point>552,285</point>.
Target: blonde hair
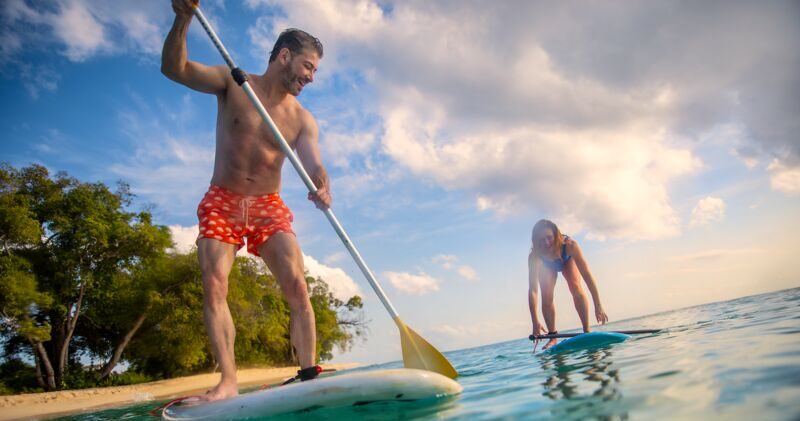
<point>540,227</point>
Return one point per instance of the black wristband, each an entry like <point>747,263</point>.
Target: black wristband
<point>239,76</point>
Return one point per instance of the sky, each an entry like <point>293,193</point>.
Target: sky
<point>663,136</point>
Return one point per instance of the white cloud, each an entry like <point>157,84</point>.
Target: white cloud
<point>445,260</point>
<point>412,284</point>
<point>37,79</point>
<point>784,178</point>
<point>144,33</point>
<point>77,27</point>
<point>590,124</point>
<point>749,160</point>
<point>340,149</point>
<point>449,261</point>
<point>708,210</point>
<point>468,273</point>
<point>341,285</point>
<point>612,180</point>
<point>184,237</point>
<point>335,258</point>
<point>526,127</point>
<point>85,28</point>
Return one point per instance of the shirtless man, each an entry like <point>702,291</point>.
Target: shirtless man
<point>243,200</point>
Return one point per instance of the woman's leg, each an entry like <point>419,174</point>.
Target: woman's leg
<point>573,278</point>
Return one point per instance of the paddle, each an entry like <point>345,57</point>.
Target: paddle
<point>417,352</point>
<point>571,335</point>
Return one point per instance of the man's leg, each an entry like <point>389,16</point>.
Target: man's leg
<point>282,255</point>
<point>216,259</point>
<point>573,278</point>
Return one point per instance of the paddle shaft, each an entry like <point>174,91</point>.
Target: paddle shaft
<point>297,165</point>
<point>572,335</point>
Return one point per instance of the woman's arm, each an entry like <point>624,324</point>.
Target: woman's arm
<point>533,295</point>
<point>583,267</point>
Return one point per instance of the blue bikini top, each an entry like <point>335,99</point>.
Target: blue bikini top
<point>558,264</point>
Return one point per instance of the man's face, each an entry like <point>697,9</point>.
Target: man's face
<point>300,70</point>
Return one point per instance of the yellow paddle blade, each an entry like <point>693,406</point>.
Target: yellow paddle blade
<point>418,353</point>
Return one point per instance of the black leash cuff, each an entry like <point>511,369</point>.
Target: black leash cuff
<point>308,373</point>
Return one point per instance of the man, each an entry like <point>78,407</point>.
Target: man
<point>243,201</point>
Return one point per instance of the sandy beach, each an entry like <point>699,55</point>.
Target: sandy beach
<point>66,402</point>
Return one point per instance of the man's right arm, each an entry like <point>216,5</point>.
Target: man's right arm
<point>174,57</point>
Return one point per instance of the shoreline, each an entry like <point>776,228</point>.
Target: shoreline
<point>47,405</point>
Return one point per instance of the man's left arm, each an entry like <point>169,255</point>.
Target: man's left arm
<point>308,151</point>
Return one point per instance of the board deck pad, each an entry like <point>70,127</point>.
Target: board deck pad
<point>339,390</point>
<point>587,341</point>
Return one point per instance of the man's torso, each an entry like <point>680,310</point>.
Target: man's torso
<point>248,160</point>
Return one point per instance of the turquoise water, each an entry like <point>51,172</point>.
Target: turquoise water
<point>737,359</point>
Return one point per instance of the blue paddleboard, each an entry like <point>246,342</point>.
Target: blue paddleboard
<point>587,341</point>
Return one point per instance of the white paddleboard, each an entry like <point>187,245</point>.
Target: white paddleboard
<point>346,389</point>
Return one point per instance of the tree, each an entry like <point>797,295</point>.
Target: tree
<point>134,301</point>
<point>339,323</point>
<point>86,239</point>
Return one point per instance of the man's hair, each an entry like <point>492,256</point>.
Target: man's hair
<point>296,41</point>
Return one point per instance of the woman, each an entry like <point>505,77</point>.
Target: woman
<point>554,252</point>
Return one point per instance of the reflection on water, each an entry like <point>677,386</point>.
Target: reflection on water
<point>586,379</point>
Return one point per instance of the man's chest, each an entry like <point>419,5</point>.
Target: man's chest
<point>240,118</point>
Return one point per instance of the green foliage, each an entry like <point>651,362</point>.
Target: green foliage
<point>16,376</point>
<point>338,323</point>
<point>174,341</point>
<point>126,378</point>
<point>261,315</point>
<point>20,300</point>
<point>69,238</point>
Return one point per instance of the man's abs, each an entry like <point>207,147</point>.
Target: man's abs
<point>247,166</point>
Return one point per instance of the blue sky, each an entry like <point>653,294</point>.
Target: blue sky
<point>662,136</point>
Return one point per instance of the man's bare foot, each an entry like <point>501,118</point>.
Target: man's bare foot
<point>224,390</point>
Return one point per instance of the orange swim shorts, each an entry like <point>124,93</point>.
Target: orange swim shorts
<point>229,217</point>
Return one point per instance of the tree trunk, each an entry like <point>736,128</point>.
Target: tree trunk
<point>50,383</point>
<point>39,379</point>
<point>72,321</point>
<point>122,344</point>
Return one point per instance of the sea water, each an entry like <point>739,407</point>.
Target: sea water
<point>733,360</point>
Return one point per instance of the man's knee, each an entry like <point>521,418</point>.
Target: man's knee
<point>296,293</point>
<point>215,286</point>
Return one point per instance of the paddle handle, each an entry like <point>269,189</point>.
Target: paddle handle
<point>571,335</point>
<point>296,164</point>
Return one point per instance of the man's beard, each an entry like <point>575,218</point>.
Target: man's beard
<point>289,80</point>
